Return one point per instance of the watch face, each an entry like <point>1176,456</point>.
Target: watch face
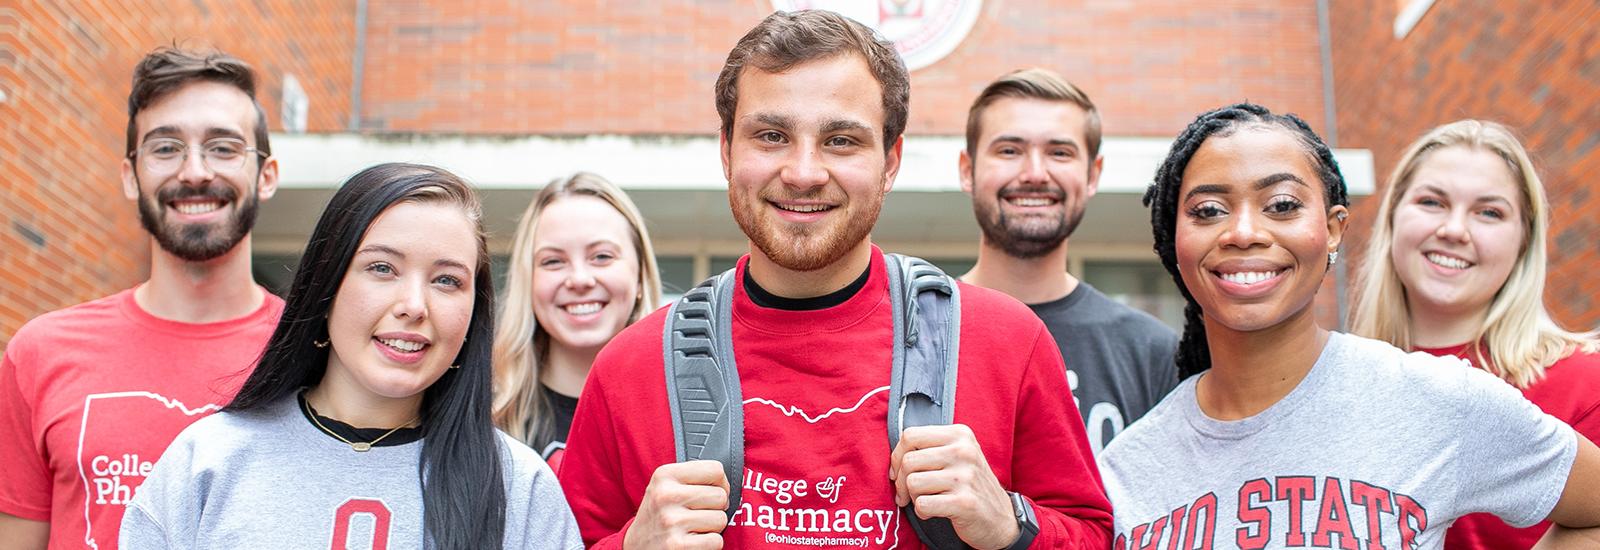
<point>1023,512</point>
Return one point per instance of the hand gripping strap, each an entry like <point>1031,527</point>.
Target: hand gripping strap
<point>926,305</point>
<point>703,382</point>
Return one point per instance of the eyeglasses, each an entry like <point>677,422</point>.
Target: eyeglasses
<point>166,155</point>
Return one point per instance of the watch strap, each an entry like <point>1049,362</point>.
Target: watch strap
<point>1027,522</point>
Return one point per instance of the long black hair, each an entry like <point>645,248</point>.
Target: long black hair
<point>1194,355</point>
<point>464,501</point>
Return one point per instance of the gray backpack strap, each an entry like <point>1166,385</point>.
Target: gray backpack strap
<point>703,382</point>
<point>926,305</point>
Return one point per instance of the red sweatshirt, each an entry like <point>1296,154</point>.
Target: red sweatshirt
<point>815,387</point>
<point>1569,391</point>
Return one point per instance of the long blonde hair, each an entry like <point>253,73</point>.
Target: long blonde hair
<point>520,344</point>
<point>1520,337</point>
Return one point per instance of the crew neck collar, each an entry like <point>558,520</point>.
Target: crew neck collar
<point>1273,415</point>
<point>872,295</point>
<point>769,300</point>
<point>1077,294</point>
<point>270,307</point>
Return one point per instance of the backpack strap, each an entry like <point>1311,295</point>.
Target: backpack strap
<point>926,305</point>
<point>707,406</point>
<point>703,382</point>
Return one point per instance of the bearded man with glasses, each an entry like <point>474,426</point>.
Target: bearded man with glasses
<point>91,395</point>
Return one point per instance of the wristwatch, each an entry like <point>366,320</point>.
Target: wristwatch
<point>1027,524</point>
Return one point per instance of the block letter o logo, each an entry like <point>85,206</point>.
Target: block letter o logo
<point>352,507</point>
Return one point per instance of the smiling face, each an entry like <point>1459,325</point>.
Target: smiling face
<point>1031,174</point>
<point>405,303</point>
<point>1458,231</point>
<point>806,164</point>
<point>585,272</point>
<point>1253,231</point>
<point>196,212</point>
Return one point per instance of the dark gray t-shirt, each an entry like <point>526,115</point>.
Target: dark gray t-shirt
<point>1119,359</point>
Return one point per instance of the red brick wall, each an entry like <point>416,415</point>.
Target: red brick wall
<point>1532,65</point>
<point>576,66</point>
<point>66,233</point>
<point>553,67</point>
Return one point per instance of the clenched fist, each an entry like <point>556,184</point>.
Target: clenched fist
<point>941,471</point>
<point>684,507</point>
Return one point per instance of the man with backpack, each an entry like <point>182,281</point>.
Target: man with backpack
<point>822,393</point>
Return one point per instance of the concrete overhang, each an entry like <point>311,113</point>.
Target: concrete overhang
<point>678,184</point>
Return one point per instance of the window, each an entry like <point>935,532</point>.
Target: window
<point>1143,285</point>
<point>677,276</point>
<point>275,271</point>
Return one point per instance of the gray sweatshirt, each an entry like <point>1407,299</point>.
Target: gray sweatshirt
<point>269,479</point>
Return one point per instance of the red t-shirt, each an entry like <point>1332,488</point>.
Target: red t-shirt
<point>1569,391</point>
<point>91,395</point>
<point>815,387</point>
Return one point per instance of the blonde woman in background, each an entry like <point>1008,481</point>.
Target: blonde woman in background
<point>1456,267</point>
<point>582,269</point>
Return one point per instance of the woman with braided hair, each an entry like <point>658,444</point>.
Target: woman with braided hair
<point>1284,434</point>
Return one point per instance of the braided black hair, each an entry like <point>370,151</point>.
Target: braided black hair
<point>1194,356</point>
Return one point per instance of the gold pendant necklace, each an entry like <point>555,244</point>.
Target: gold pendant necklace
<point>357,446</point>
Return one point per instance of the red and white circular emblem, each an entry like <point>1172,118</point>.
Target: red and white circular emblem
<point>924,31</point>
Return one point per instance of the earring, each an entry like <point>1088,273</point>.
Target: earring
<point>1333,258</point>
<point>455,366</point>
<point>322,343</point>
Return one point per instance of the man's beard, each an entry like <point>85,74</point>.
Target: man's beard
<point>198,242</point>
<point>1024,238</point>
<point>804,249</point>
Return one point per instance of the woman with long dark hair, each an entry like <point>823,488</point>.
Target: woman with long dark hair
<point>367,418</point>
<point>1284,434</point>
<point>1456,267</point>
